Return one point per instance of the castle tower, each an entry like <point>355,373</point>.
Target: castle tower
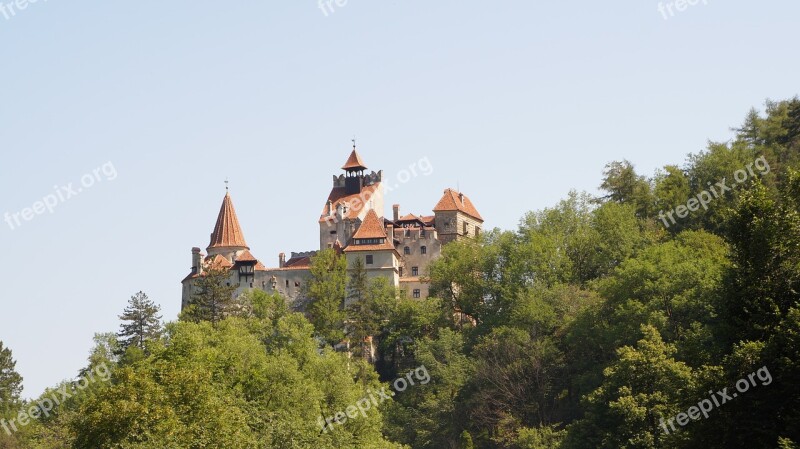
<point>227,239</point>
<point>375,249</point>
<point>456,217</point>
<point>353,194</point>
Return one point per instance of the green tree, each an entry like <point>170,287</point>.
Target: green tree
<point>624,185</point>
<point>10,382</point>
<point>642,387</point>
<point>369,315</point>
<point>141,322</point>
<point>213,298</point>
<point>326,290</point>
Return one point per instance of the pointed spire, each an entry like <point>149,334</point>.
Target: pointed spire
<point>227,232</point>
<point>354,162</point>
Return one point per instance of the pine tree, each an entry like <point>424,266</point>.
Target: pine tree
<point>141,322</point>
<point>358,284</point>
<point>10,382</point>
<point>326,289</point>
<point>213,298</point>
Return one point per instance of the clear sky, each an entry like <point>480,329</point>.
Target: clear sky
<point>516,102</point>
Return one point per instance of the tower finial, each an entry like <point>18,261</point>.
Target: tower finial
<point>226,184</point>
<point>354,142</point>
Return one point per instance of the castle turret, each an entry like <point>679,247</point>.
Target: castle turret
<point>353,194</point>
<point>227,238</point>
<point>354,167</point>
<point>456,217</point>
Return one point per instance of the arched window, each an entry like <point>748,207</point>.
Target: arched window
<point>423,250</point>
<point>406,250</point>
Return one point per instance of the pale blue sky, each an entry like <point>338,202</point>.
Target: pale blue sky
<point>515,101</point>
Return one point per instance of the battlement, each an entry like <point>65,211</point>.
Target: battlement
<point>368,179</point>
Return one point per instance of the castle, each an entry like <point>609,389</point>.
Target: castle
<point>352,223</point>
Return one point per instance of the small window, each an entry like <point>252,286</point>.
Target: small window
<point>287,283</point>
<point>417,293</point>
<point>423,250</point>
<point>422,232</point>
<point>466,228</point>
<point>414,271</point>
<point>406,250</point>
<point>408,232</point>
<point>369,259</point>
<point>333,232</point>
<point>477,231</point>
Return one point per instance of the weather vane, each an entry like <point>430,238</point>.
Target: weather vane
<point>226,184</point>
<point>354,142</point>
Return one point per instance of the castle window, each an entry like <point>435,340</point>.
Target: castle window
<point>369,259</point>
<point>287,283</point>
<point>477,231</point>
<point>423,250</point>
<point>422,232</point>
<point>414,271</point>
<point>408,232</point>
<point>406,250</point>
<point>466,228</point>
<point>370,241</point>
<point>417,293</point>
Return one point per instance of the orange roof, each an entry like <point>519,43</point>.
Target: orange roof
<point>452,200</point>
<point>354,208</point>
<point>218,261</point>
<point>298,262</point>
<point>371,228</point>
<point>227,232</point>
<point>354,162</point>
<point>246,256</point>
<point>377,247</point>
<point>409,217</point>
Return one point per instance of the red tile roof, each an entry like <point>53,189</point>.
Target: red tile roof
<point>386,246</point>
<point>354,208</point>
<point>218,261</point>
<point>246,256</point>
<point>227,232</point>
<point>354,162</point>
<point>409,217</point>
<point>452,201</point>
<point>298,262</point>
<point>371,227</point>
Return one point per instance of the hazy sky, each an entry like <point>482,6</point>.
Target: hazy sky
<point>148,106</point>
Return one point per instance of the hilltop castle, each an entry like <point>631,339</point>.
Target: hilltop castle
<point>352,223</point>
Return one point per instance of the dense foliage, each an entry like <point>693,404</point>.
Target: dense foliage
<point>592,325</point>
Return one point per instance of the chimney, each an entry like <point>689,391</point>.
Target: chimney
<point>396,210</point>
<point>281,260</point>
<point>196,261</point>
<point>390,233</point>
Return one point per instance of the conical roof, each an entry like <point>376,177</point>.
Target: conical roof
<point>354,162</point>
<point>227,232</point>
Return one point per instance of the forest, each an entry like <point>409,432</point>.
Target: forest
<point>662,313</point>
